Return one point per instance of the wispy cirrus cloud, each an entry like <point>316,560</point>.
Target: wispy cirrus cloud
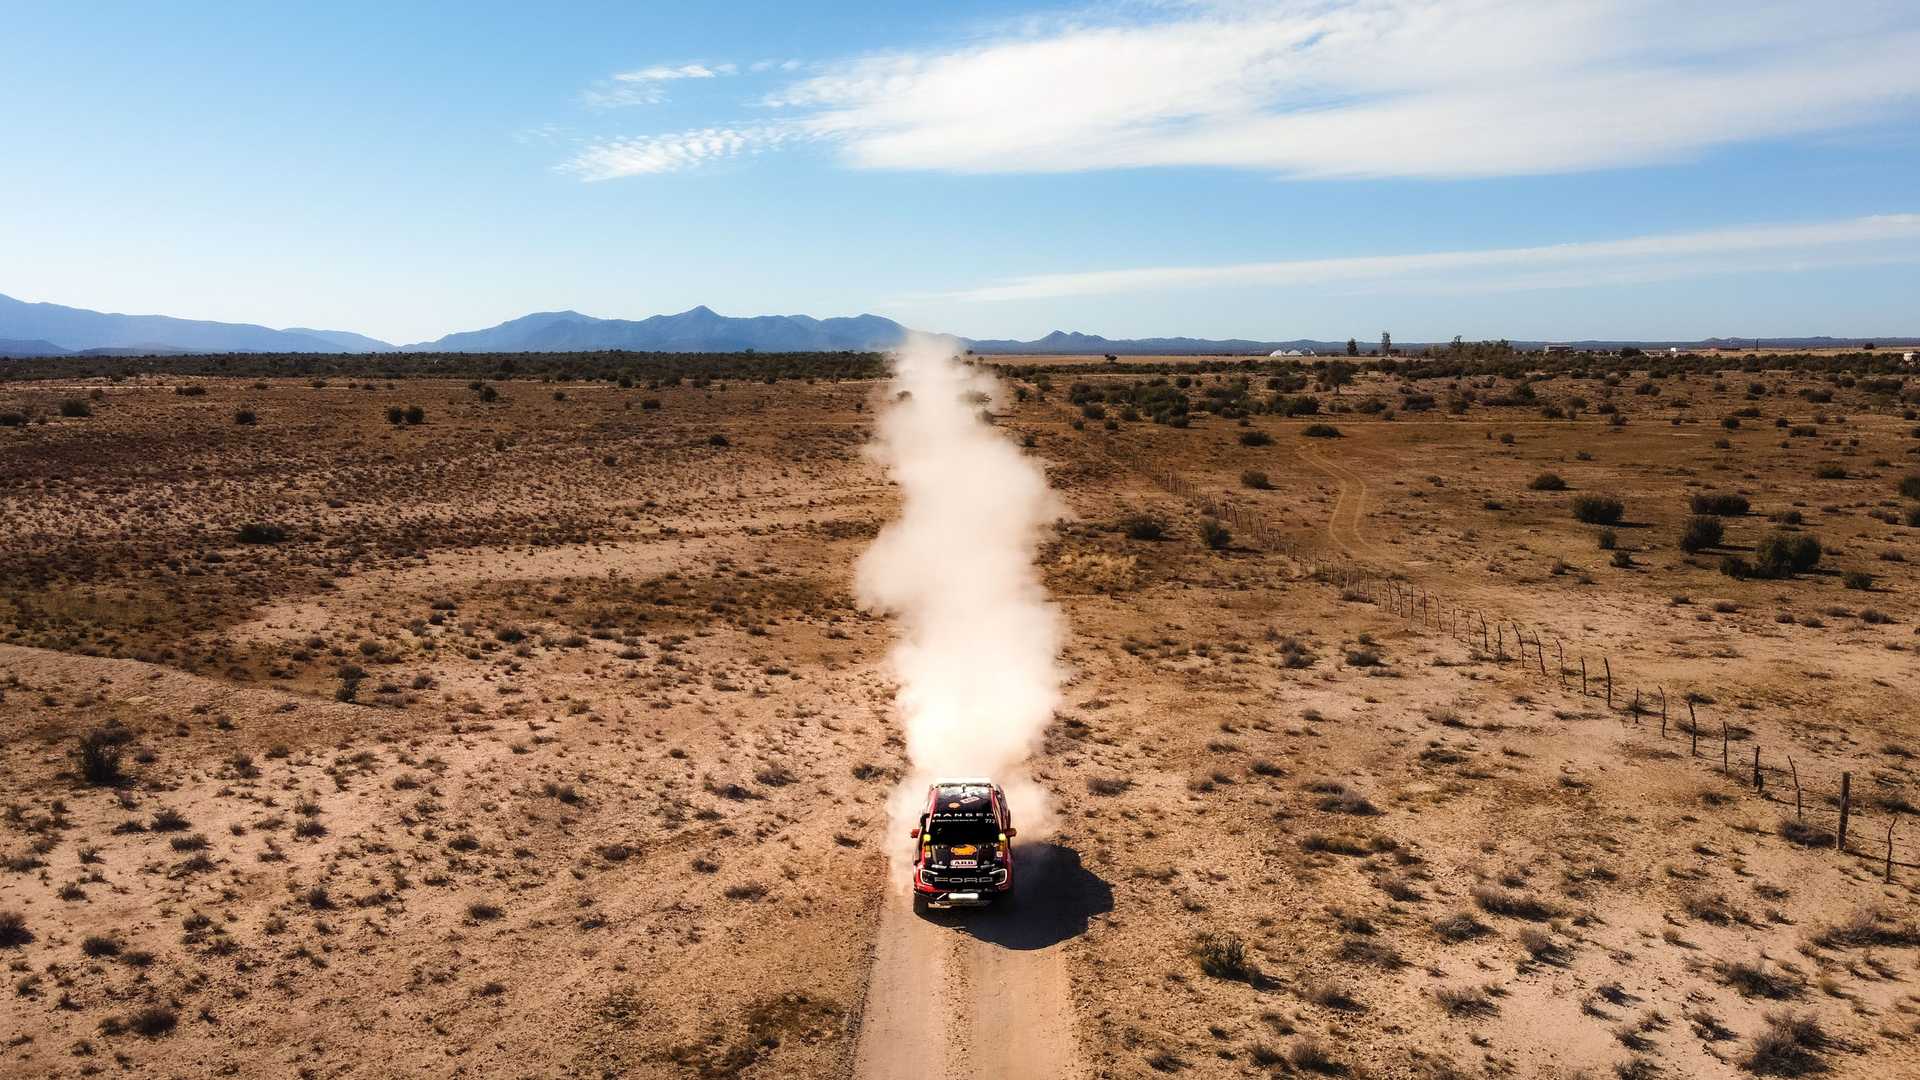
<point>1854,241</point>
<point>647,86</point>
<point>1374,88</point>
<point>643,155</point>
<point>1318,89</point>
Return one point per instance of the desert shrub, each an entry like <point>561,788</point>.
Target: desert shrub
<point>1789,1045</point>
<point>717,439</point>
<point>1320,431</point>
<point>1721,504</point>
<point>13,930</point>
<point>1832,470</point>
<point>1622,558</point>
<point>1606,538</point>
<point>259,532</point>
<point>75,407</point>
<point>98,755</point>
<point>245,417</point>
<point>152,1021</point>
<point>396,415</point>
<point>1463,1000</point>
<point>1517,905</point>
<point>1108,785</point>
<point>1804,833</point>
<point>1857,579</point>
<point>1313,1055</point>
<point>1255,438</point>
<point>1224,956</point>
<point>1783,554</point>
<point>414,415</point>
<point>1910,486</point>
<point>1548,481</point>
<point>1598,509</point>
<point>1256,480</point>
<point>1701,532</point>
<point>1143,527</point>
<point>1215,535</point>
<point>1461,926</point>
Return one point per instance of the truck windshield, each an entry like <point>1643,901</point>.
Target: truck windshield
<point>973,831</point>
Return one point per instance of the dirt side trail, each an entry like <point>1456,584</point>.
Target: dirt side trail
<point>979,993</point>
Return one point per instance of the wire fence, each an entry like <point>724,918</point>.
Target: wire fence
<point>1870,834</point>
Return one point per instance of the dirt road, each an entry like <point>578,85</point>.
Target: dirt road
<point>981,993</point>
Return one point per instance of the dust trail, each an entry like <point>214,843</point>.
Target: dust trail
<point>977,659</point>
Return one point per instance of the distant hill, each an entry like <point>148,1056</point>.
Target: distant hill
<point>342,340</point>
<point>77,329</point>
<point>700,329</point>
<point>12,347</point>
<point>52,330</point>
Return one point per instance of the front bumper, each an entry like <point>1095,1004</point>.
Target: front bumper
<point>942,889</point>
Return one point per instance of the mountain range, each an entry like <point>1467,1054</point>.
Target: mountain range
<point>40,329</point>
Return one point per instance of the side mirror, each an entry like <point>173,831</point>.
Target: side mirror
<point>915,833</point>
<point>1011,833</point>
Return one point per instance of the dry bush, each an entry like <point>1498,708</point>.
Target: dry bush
<point>1515,905</point>
<point>1224,956</point>
<point>1598,509</point>
<point>1789,1045</point>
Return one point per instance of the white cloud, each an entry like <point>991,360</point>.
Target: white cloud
<point>651,154</point>
<point>1310,88</point>
<point>646,86</point>
<point>1856,241</point>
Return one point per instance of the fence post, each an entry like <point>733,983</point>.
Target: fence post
<point>1759,782</point>
<point>1724,764</point>
<point>1846,806</point>
<point>1663,712</point>
<point>1891,822</point>
<point>1796,787</point>
<point>1583,676</point>
<point>1540,652</point>
<point>1609,665</point>
<point>1693,728</point>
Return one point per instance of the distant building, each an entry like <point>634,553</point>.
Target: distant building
<point>1556,348</point>
<point>1291,352</point>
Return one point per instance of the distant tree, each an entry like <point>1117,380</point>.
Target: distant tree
<point>1353,347</point>
<point>1336,374</point>
<point>1386,343</point>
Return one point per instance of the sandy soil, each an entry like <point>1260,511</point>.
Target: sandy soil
<point>549,742</point>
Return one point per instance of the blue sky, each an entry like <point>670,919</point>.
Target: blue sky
<point>1217,168</point>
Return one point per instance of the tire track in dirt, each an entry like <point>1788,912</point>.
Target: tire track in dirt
<point>1346,527</point>
<point>977,993</point>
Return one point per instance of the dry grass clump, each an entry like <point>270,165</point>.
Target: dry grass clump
<point>1465,1000</point>
<point>1224,956</point>
<point>1757,978</point>
<point>1789,1045</point>
<point>1805,833</point>
<point>1868,928</point>
<point>13,930</point>
<point>1459,927</point>
<point>1514,905</point>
